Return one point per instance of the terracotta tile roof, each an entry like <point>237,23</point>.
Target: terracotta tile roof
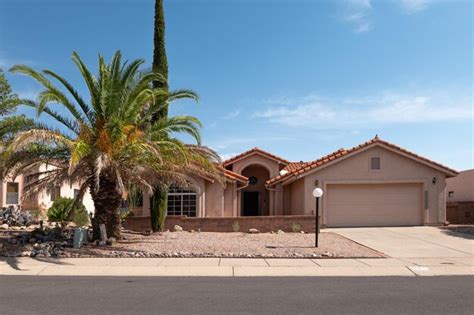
<point>252,151</point>
<point>305,167</point>
<point>293,166</point>
<point>234,176</point>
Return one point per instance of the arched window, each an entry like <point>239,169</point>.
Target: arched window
<point>181,201</point>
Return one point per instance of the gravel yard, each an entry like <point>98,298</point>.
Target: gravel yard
<point>208,244</point>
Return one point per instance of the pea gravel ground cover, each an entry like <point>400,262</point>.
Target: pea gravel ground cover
<point>205,244</point>
<point>208,244</point>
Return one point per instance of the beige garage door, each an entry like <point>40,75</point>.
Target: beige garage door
<point>373,205</point>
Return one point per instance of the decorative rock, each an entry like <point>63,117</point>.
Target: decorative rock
<point>4,226</point>
<point>111,241</point>
<point>178,228</point>
<point>302,232</point>
<point>253,231</point>
<point>280,232</point>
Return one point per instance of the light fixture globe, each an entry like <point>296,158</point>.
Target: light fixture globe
<point>317,192</point>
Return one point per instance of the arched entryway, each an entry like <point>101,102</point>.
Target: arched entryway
<point>255,197</point>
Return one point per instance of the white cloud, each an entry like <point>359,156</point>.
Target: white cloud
<point>233,114</point>
<point>413,6</point>
<point>361,112</point>
<point>357,13</point>
<point>227,156</point>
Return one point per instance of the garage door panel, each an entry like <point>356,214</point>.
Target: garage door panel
<point>374,205</point>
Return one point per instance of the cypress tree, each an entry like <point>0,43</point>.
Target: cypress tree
<point>159,200</point>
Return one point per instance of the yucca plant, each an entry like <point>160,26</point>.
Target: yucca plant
<point>108,142</point>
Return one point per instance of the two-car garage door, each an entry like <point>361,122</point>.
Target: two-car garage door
<point>373,205</point>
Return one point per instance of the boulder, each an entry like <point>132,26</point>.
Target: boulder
<point>4,226</point>
<point>280,232</point>
<point>178,228</point>
<point>253,231</point>
<point>111,241</point>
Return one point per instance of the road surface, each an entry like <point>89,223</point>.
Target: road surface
<point>199,295</point>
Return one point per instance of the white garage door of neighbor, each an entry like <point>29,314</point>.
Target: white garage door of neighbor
<point>373,205</point>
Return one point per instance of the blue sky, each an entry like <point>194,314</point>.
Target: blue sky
<point>297,78</point>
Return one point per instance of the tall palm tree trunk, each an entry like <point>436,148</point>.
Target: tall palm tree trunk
<point>158,202</point>
<point>107,200</point>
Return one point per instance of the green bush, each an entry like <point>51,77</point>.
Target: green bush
<point>62,210</point>
<point>296,227</point>
<point>236,226</point>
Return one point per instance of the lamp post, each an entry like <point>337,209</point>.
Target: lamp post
<point>317,193</point>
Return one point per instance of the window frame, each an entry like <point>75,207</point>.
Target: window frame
<point>54,193</point>
<point>181,193</point>
<point>17,193</point>
<point>370,163</point>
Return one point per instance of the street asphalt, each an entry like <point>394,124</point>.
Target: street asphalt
<point>221,295</point>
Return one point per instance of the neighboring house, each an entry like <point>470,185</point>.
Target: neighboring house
<point>460,198</point>
<point>11,193</point>
<point>373,184</point>
<point>461,187</point>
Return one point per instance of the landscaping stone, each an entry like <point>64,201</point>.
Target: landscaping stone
<point>280,232</point>
<point>178,228</point>
<point>253,231</point>
<point>4,226</point>
<point>111,241</point>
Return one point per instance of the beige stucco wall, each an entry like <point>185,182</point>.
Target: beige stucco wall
<point>297,197</point>
<point>394,169</point>
<point>230,200</point>
<point>272,166</point>
<point>42,200</point>
<point>214,200</point>
<point>462,187</point>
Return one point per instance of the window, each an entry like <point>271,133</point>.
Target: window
<point>181,201</point>
<point>253,180</point>
<point>12,193</point>
<point>55,192</point>
<point>375,163</point>
<point>451,194</point>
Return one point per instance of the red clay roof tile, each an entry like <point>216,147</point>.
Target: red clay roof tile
<point>342,152</point>
<point>251,151</point>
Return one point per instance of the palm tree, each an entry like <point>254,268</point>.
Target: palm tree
<point>109,142</point>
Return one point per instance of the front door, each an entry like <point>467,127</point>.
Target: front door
<point>250,203</point>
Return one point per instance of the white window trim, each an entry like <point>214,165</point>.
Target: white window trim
<point>181,194</point>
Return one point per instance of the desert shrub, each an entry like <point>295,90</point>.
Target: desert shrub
<point>296,227</point>
<point>81,217</point>
<point>125,213</point>
<point>62,210</point>
<point>236,226</point>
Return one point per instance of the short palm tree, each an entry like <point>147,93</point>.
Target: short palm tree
<point>108,143</point>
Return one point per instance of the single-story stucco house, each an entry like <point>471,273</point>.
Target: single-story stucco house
<point>373,184</point>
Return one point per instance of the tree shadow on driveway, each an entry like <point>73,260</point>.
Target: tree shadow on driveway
<point>466,232</point>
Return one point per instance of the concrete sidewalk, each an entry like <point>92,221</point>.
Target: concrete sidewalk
<point>235,267</point>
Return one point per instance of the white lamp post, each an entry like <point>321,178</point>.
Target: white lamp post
<point>317,193</point>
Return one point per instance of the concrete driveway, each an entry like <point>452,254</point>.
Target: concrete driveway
<point>420,242</point>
